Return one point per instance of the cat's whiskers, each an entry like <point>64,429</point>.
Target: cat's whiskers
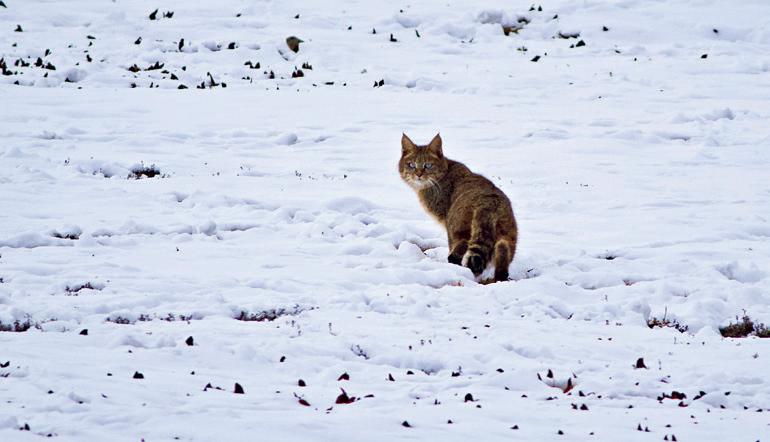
<point>419,183</point>
<point>434,183</point>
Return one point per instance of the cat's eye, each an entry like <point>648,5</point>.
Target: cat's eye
<point>427,165</point>
<point>411,165</point>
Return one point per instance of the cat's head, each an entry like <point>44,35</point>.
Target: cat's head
<point>422,166</point>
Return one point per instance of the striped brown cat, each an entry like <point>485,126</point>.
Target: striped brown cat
<point>478,217</point>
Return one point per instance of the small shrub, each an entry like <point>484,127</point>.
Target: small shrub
<point>665,322</point>
<point>744,327</point>
<point>17,326</point>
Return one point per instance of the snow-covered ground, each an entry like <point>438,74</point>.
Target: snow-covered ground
<point>277,248</point>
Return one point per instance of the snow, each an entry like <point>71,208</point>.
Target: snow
<point>275,230</point>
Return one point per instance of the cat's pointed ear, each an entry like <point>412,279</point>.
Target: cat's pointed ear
<point>406,144</point>
<point>435,145</point>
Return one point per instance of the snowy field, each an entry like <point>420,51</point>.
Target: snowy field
<point>163,250</point>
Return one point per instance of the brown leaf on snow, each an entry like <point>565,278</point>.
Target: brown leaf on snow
<point>569,385</point>
<point>344,398</point>
<point>564,385</point>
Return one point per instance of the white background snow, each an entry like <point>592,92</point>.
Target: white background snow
<point>639,171</point>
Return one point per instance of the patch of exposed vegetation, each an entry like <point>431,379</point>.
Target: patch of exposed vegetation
<point>667,323</point>
<point>17,326</point>
<point>271,314</point>
<point>146,317</point>
<point>73,235</point>
<point>142,171</point>
<point>744,327</point>
<point>172,317</point>
<point>118,320</point>
<point>73,290</point>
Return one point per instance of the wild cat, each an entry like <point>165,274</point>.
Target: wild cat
<point>478,217</point>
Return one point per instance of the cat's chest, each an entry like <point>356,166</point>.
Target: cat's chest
<point>435,203</point>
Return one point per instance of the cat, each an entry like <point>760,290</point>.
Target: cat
<point>478,217</point>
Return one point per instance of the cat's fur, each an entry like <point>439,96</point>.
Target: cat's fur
<point>479,221</point>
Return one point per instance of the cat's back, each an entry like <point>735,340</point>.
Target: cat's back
<point>471,185</point>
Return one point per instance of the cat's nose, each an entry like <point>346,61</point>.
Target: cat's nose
<point>418,173</point>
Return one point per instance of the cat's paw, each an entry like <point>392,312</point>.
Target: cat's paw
<point>476,263</point>
<point>455,259</point>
